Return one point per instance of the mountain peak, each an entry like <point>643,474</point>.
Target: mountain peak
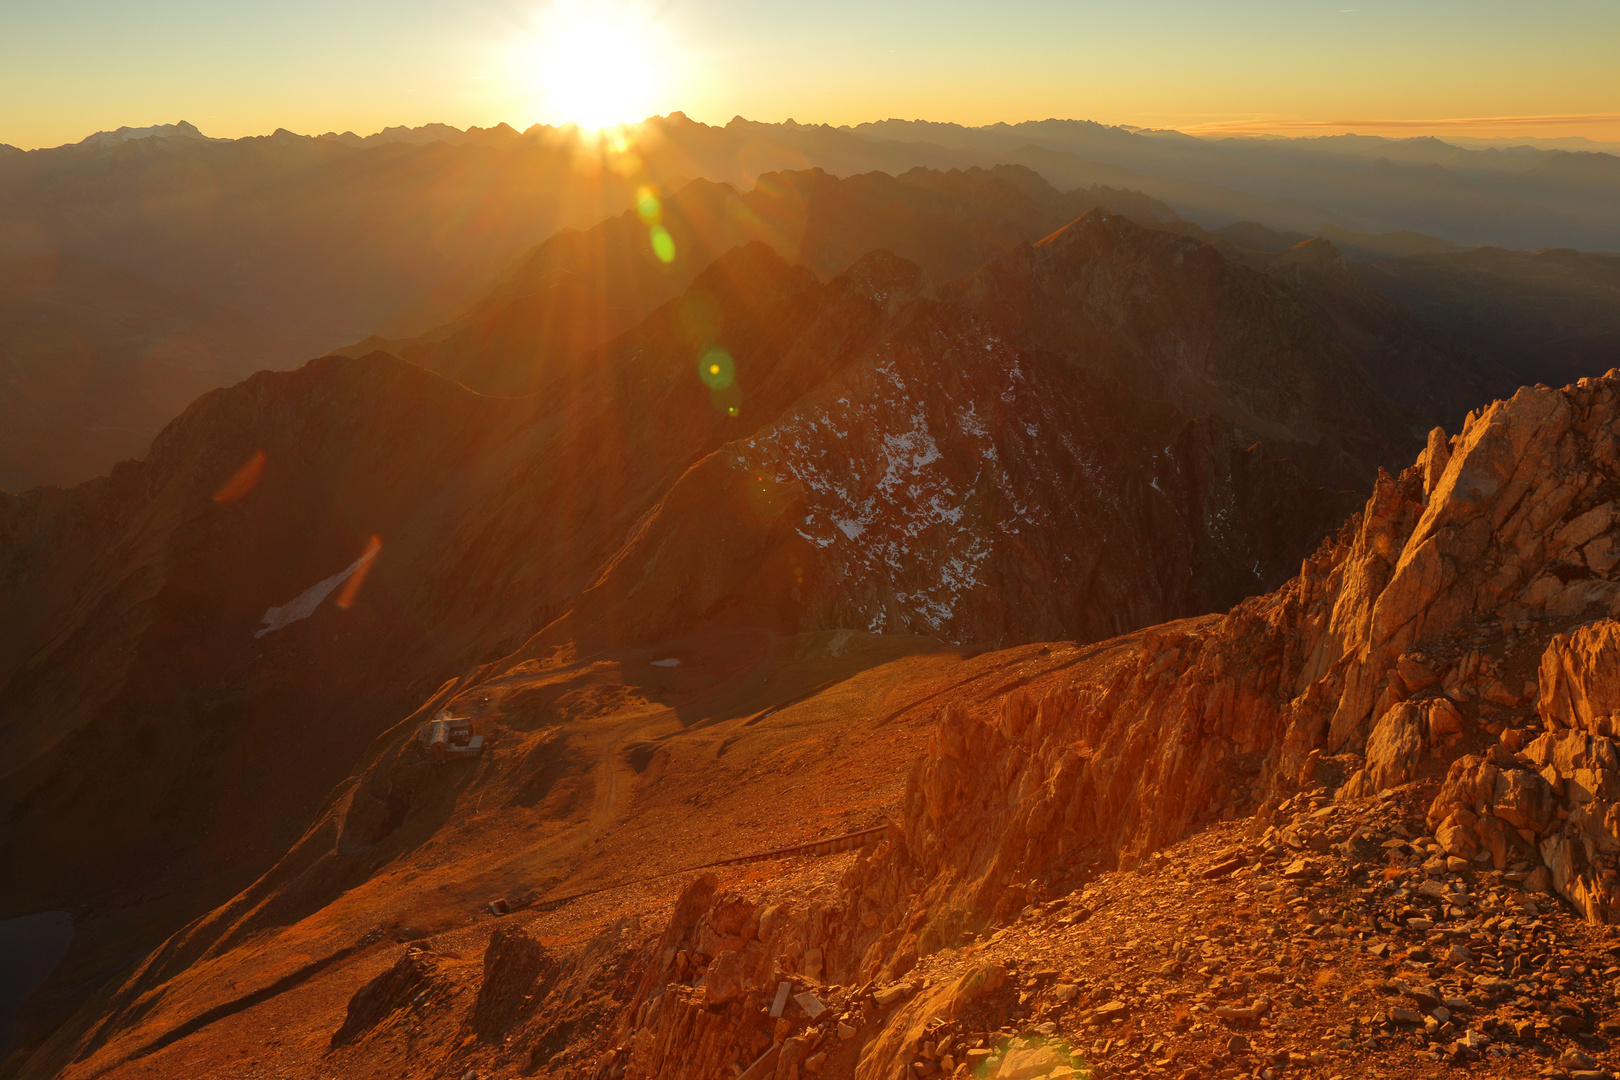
<point>182,130</point>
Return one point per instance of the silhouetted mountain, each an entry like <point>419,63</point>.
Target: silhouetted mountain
<point>1517,197</point>
<point>579,288</point>
<point>94,361</point>
<point>1547,316</point>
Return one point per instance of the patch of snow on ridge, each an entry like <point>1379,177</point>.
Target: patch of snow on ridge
<point>304,604</point>
<point>889,506</point>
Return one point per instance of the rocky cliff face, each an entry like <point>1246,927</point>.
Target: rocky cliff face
<point>1399,645</point>
<point>1453,643</point>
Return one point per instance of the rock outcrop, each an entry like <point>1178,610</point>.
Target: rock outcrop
<point>1393,657</point>
<point>1452,643</point>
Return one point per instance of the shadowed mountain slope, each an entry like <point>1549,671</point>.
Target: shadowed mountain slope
<point>580,288</point>
<point>94,361</point>
<point>1546,316</point>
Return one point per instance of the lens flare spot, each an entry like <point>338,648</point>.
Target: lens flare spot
<point>243,480</point>
<point>351,588</point>
<point>649,206</point>
<point>717,369</point>
<point>663,244</point>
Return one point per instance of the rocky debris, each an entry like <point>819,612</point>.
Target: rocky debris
<point>1415,730</point>
<point>412,980</point>
<point>1458,577</point>
<point>1382,959</point>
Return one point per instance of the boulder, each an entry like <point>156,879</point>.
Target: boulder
<point>1395,746</point>
<point>1524,800</point>
<point>734,972</point>
<point>1415,673</point>
<point>1457,834</point>
<point>1580,678</point>
<point>1445,722</point>
<point>1030,1063</point>
<point>1470,784</point>
<point>412,973</point>
<point>515,965</point>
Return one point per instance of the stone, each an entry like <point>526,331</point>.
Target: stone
<point>813,1064</point>
<point>1236,1012</point>
<point>1298,869</point>
<point>1395,747</point>
<point>1538,881</point>
<point>1576,1058</point>
<point>1402,1015</point>
<point>1030,1062</point>
<point>1470,782</point>
<point>1523,799</point>
<point>1113,1010</point>
<point>1580,678</point>
<point>891,994</point>
<point>726,978</point>
<point>1457,835</point>
<point>845,1032</point>
<point>811,963</point>
<point>1445,719</point>
<point>1427,995</point>
<point>1416,674</point>
<point>811,1004</point>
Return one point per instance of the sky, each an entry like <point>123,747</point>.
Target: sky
<point>72,67</point>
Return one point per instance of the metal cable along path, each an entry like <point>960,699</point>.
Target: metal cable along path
<point>830,846</point>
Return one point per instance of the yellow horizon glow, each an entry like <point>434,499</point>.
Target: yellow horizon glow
<point>1247,67</point>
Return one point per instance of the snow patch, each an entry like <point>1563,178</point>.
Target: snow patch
<point>304,604</point>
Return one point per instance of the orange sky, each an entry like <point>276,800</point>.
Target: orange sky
<point>70,67</point>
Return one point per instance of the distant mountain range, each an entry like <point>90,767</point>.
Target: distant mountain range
<point>414,238</point>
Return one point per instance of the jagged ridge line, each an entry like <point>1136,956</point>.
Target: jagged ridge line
<point>831,846</point>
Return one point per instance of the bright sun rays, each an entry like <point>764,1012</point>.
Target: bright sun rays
<point>597,64</point>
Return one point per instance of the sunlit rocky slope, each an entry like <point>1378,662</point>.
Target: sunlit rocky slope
<point>1357,822</point>
<point>709,582</point>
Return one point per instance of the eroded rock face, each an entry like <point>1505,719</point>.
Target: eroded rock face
<point>1381,664</point>
<point>1580,672</point>
<point>516,967</point>
<point>415,972</point>
<point>1329,679</point>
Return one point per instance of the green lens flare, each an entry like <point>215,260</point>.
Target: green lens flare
<point>648,206</point>
<point>663,244</point>
<point>716,369</point>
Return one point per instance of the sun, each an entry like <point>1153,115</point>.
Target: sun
<point>598,65</point>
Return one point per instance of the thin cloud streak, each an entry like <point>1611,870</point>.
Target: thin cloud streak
<point>1260,124</point>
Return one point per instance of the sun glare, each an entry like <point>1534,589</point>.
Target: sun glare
<point>598,65</point>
